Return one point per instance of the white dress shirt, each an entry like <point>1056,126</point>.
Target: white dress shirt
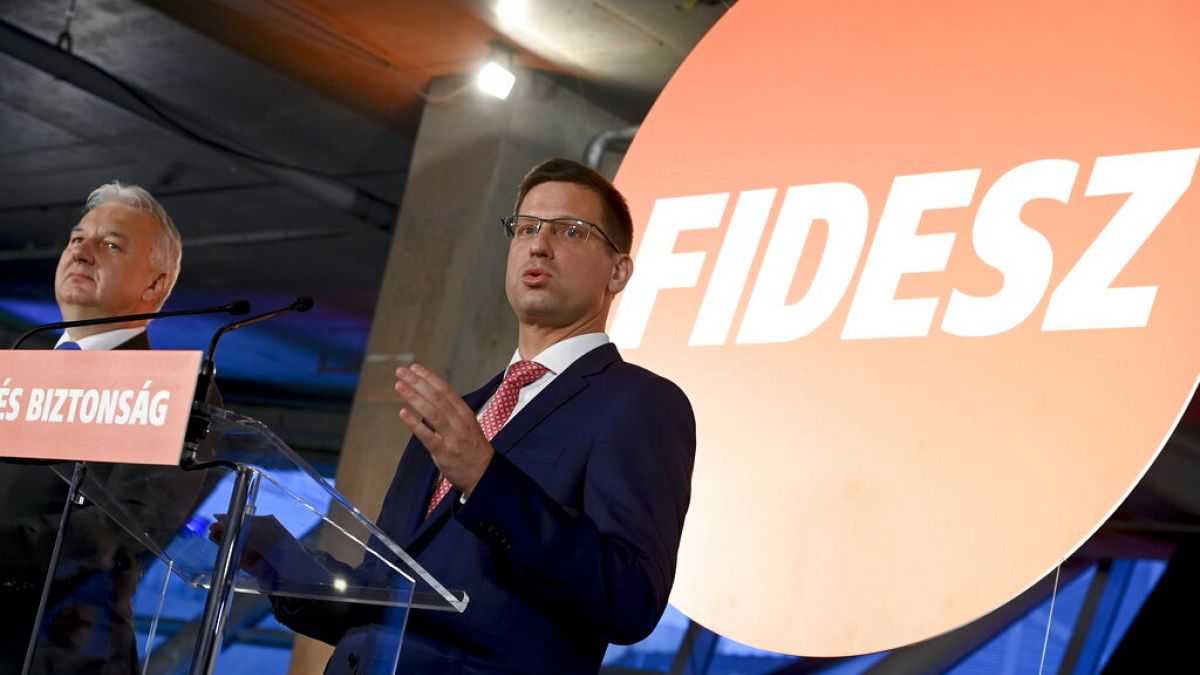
<point>106,340</point>
<point>556,358</point>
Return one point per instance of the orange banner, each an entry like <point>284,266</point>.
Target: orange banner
<point>926,271</point>
<point>99,406</point>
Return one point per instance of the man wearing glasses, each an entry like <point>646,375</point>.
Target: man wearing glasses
<point>555,494</point>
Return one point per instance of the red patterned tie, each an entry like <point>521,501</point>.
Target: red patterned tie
<point>497,413</point>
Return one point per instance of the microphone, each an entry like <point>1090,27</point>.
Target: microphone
<point>198,423</point>
<point>208,368</point>
<point>236,308</point>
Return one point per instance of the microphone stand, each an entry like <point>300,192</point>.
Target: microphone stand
<point>198,423</point>
<point>236,308</point>
<point>208,368</point>
<point>73,498</point>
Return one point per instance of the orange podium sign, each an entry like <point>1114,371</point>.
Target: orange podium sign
<point>99,406</point>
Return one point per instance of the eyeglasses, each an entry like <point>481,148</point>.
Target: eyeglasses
<point>569,230</point>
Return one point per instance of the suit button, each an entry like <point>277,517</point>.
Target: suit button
<point>352,660</point>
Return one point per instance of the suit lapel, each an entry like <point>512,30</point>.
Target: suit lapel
<point>564,387</point>
<point>425,472</point>
<point>139,341</point>
<point>417,475</point>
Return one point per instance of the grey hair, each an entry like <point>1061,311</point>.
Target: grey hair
<point>167,255</point>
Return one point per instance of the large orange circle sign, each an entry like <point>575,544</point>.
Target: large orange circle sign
<point>925,270</point>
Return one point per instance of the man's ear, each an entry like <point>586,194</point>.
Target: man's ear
<point>622,270</point>
<point>157,288</point>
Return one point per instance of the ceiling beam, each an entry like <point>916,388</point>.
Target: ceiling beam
<point>88,77</point>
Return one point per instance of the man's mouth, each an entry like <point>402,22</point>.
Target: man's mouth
<point>534,276</point>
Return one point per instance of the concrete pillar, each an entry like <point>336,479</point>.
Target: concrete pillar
<point>442,300</point>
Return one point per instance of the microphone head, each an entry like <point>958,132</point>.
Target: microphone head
<point>238,307</point>
<point>303,304</point>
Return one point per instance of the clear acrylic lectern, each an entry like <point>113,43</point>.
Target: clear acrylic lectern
<point>251,520</point>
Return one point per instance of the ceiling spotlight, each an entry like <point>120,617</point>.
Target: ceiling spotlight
<point>496,80</point>
<point>513,13</point>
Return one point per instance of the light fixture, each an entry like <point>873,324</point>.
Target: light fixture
<point>513,13</point>
<point>495,80</point>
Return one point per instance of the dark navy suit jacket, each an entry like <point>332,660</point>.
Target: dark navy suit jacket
<point>569,540</point>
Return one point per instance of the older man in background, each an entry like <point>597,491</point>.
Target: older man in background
<point>123,257</point>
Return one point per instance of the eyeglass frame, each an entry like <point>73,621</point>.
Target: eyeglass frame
<point>509,223</point>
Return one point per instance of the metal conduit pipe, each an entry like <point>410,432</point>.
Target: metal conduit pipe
<point>608,141</point>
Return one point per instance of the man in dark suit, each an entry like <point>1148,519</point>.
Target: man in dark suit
<point>122,258</point>
<point>554,495</point>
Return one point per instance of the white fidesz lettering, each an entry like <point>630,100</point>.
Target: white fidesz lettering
<point>88,406</point>
<point>768,317</point>
<point>1084,300</point>
<point>667,269</point>
<point>897,250</point>
<point>1020,253</point>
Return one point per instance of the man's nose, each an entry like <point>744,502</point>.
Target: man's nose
<point>543,243</point>
<point>83,251</point>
